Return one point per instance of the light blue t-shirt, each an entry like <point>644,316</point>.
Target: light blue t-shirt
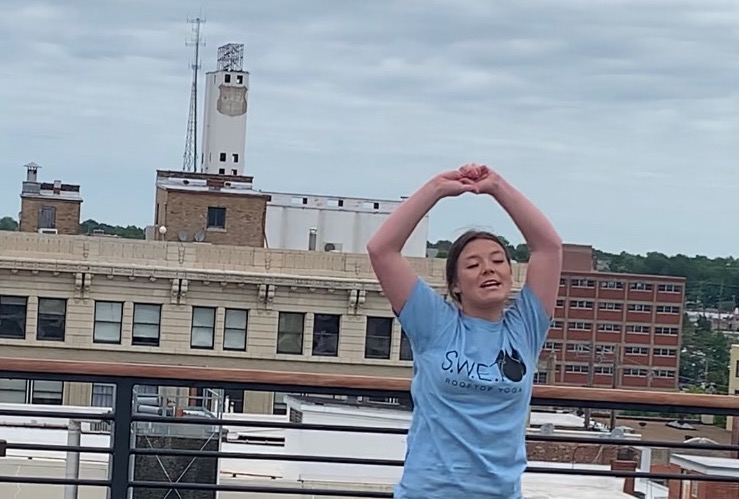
<point>471,390</point>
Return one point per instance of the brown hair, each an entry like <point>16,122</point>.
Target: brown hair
<point>456,249</point>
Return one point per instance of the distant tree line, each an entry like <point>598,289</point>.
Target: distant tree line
<point>88,227</point>
<point>710,282</point>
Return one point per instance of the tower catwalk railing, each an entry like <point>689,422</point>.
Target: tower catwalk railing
<point>132,465</point>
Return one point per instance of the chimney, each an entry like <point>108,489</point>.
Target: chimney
<point>312,236</point>
<point>57,186</point>
<point>32,172</point>
<point>625,462</point>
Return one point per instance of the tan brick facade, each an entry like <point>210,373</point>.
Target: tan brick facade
<point>67,214</point>
<point>178,277</point>
<point>182,210</point>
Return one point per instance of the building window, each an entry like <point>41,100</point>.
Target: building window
<point>103,395</point>
<point>540,378</point>
<point>611,285</point>
<point>13,391</point>
<point>672,331</point>
<point>664,352</point>
<point>52,314</point>
<point>326,334</point>
<point>222,157</point>
<point>631,328</point>
<point>670,288</point>
<point>406,352</point>
<point>21,391</point>
<point>108,318</point>
<point>146,319</point>
<point>240,79</point>
<point>47,392</point>
<point>639,307</point>
<point>203,329</point>
<point>47,217</point>
<point>227,78</point>
<point>637,351</point>
<point>609,328</point>
<point>640,286</point>
<point>290,333</point>
<point>579,326</point>
<point>576,369</point>
<point>668,309</point>
<point>216,217</point>
<point>581,304</point>
<point>235,157</point>
<point>234,329</point>
<point>378,338</point>
<point>13,311</point>
<point>582,283</point>
<point>609,305</point>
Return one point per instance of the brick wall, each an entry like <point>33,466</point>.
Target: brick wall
<point>67,215</point>
<point>246,216</point>
<point>705,490</point>
<point>561,452</point>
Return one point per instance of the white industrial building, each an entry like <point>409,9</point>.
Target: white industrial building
<point>274,441</point>
<point>333,223</point>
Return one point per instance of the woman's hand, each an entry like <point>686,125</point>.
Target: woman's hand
<point>483,177</point>
<point>454,183</point>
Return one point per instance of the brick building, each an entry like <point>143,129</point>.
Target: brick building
<point>704,465</point>
<point>49,207</point>
<point>212,208</point>
<point>627,327</point>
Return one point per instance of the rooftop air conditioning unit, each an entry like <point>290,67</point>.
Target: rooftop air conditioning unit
<point>48,231</point>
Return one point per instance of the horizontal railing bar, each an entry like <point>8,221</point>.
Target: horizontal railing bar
<point>604,440</point>
<point>77,416</point>
<point>137,418</point>
<point>552,394</point>
<point>267,457</point>
<point>45,480</point>
<point>257,489</point>
<point>630,474</point>
<point>59,448</point>
<point>627,442</point>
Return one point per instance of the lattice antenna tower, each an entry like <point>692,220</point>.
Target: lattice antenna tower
<point>231,57</point>
<point>189,159</point>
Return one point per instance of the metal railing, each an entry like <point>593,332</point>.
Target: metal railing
<point>124,448</point>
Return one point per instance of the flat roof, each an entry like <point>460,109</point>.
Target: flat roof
<point>707,465</point>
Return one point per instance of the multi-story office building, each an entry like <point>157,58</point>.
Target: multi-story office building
<point>626,327</point>
<point>83,297</point>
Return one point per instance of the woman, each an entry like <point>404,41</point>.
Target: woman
<point>474,359</point>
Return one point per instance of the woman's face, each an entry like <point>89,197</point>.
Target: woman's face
<point>483,275</point>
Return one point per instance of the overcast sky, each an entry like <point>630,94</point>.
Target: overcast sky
<point>619,118</point>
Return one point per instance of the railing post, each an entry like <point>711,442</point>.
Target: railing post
<point>74,439</point>
<point>120,469</point>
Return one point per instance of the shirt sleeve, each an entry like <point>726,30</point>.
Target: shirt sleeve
<point>529,317</point>
<point>424,316</point>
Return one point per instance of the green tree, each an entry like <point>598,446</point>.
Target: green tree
<point>705,355</point>
<point>128,232</point>
<point>8,223</point>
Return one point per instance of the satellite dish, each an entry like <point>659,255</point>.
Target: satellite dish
<point>182,235</point>
<point>200,236</point>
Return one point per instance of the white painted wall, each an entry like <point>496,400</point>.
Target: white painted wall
<point>224,132</point>
<point>290,217</point>
<point>344,444</point>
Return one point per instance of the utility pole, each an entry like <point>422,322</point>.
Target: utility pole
<point>591,379</point>
<point>614,378</point>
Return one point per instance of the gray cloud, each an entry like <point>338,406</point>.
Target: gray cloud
<point>618,117</point>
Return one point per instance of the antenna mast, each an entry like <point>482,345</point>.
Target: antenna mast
<point>190,158</point>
